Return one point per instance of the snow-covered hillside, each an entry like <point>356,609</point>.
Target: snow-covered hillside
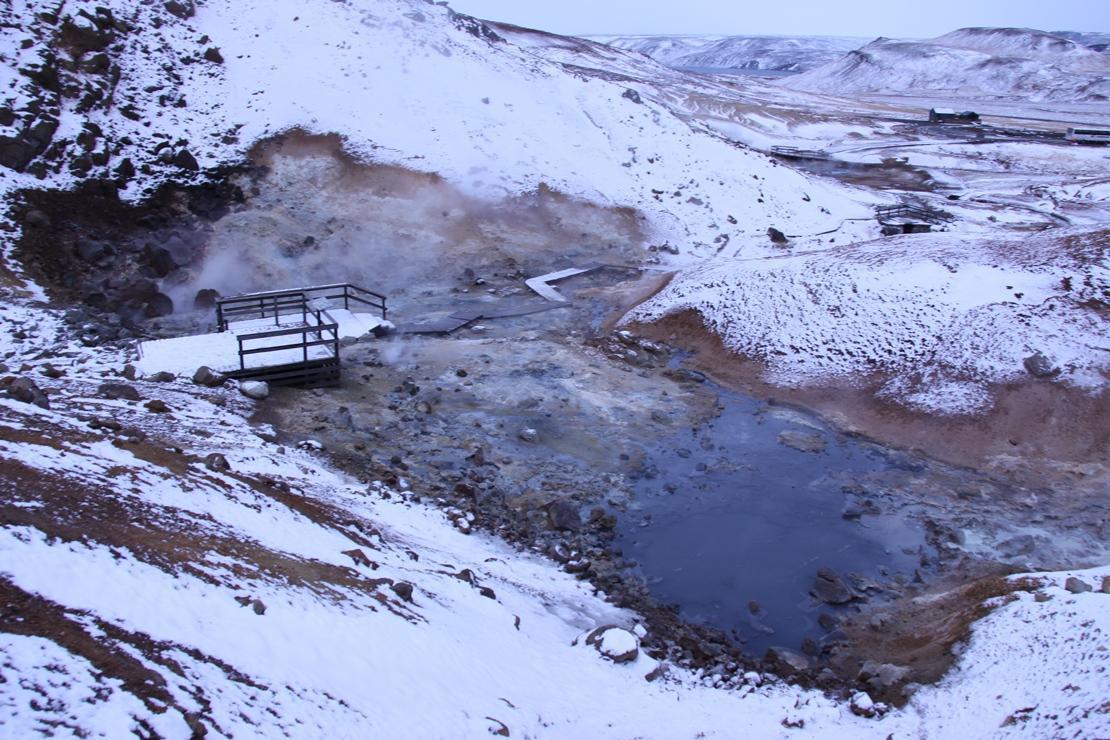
<point>167,568</point>
<point>972,62</point>
<point>957,314</point>
<point>776,53</point>
<point>386,75</point>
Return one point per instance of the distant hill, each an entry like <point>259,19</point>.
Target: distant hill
<point>971,62</point>
<point>772,53</point>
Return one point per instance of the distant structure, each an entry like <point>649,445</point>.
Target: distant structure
<point>910,218</point>
<point>1088,136</point>
<point>947,115</point>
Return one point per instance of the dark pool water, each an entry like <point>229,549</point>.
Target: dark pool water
<point>726,515</point>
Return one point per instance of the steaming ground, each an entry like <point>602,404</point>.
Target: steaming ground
<point>312,215</point>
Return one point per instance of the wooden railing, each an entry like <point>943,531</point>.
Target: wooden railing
<point>278,303</point>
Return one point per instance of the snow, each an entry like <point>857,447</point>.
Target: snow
<point>220,350</point>
<point>331,653</point>
<point>957,315</point>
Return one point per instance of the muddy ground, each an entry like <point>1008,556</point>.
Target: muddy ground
<point>542,427</point>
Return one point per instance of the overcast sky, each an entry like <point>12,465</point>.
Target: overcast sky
<point>898,18</point>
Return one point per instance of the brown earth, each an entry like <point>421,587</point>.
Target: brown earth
<point>1037,433</point>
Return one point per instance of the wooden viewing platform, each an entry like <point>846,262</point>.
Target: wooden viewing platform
<point>904,212</point>
<point>285,337</point>
<point>792,152</point>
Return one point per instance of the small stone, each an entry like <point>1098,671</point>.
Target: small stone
<point>212,54</point>
<point>776,236</point>
<point>157,406</point>
<point>256,389</point>
<point>161,377</point>
<point>528,435</point>
<point>1076,585</point>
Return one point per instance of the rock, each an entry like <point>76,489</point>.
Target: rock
<point>1023,544</point>
<point>216,462</point>
<point>1105,585</point>
<point>160,260</point>
<point>117,391</point>
<point>1040,366</point>
<point>528,435</point>
<point>830,588</point>
<point>255,389</point>
<point>776,236</point>
<point>185,160</point>
<point>83,34</point>
<point>616,644</point>
<point>403,589</point>
<point>36,219</point>
<point>159,304</point>
<point>161,377</point>
<point>157,406</point>
<point>25,391</point>
<point>563,515</point>
<point>785,661</point>
<point>802,441</point>
<point>213,55</point>
<point>52,372</point>
<point>632,95</point>
<point>862,705</point>
<point>207,377</point>
<point>90,250</point>
<point>181,8</point>
<point>882,677</point>
<point>205,299</point>
<point>1076,585</point>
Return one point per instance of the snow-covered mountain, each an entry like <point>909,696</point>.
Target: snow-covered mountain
<point>971,62</point>
<point>774,53</point>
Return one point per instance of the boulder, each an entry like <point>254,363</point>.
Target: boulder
<point>207,377</point>
<point>216,462</point>
<point>255,389</point>
<point>882,677</point>
<point>25,391</point>
<point>528,435</point>
<point>212,54</point>
<point>1040,366</point>
<point>830,588</point>
<point>563,516</point>
<point>157,406</point>
<point>776,236</point>
<point>118,391</point>
<point>181,8</point>
<point>862,705</point>
<point>1076,585</point>
<point>161,377</point>
<point>403,589</point>
<point>159,304</point>
<point>617,644</point>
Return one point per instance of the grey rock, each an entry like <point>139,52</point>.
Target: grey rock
<point>217,462</point>
<point>26,391</point>
<point>207,377</point>
<point>882,677</point>
<point>830,588</point>
<point>118,391</point>
<point>563,515</point>
<point>528,435</point>
<point>1076,585</point>
<point>1040,366</point>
